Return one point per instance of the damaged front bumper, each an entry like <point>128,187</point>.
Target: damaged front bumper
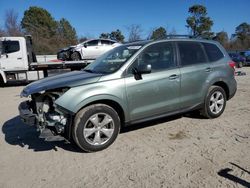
<point>26,114</point>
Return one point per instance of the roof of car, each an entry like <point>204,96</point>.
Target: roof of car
<point>144,42</point>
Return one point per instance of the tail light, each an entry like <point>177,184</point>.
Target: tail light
<point>232,65</point>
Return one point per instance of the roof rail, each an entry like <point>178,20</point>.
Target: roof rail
<point>179,36</point>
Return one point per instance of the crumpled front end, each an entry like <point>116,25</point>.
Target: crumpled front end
<point>42,112</point>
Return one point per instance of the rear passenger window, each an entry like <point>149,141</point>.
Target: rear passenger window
<point>191,53</point>
<point>107,42</point>
<point>213,52</point>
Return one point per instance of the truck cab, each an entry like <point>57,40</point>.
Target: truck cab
<point>13,49</point>
<point>16,54</point>
<point>18,61</point>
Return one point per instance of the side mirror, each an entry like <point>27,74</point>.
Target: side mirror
<point>85,45</point>
<point>144,69</point>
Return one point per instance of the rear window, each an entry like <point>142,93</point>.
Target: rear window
<point>191,53</point>
<point>107,42</point>
<point>213,52</point>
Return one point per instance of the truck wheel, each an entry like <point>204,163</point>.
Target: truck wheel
<point>1,82</point>
<point>75,56</point>
<point>96,127</point>
<point>215,102</point>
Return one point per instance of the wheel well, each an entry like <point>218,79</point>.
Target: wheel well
<point>77,53</point>
<point>117,107</point>
<point>224,86</point>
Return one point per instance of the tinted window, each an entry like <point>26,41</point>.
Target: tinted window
<point>160,56</point>
<point>10,46</point>
<point>107,42</point>
<point>213,52</point>
<point>191,53</point>
<point>92,43</point>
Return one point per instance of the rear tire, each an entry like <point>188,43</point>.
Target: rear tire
<point>75,56</point>
<point>96,127</point>
<point>215,102</point>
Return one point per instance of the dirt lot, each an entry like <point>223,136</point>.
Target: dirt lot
<point>180,151</point>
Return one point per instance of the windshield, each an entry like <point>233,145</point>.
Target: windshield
<point>112,60</point>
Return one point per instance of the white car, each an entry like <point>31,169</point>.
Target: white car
<point>90,49</point>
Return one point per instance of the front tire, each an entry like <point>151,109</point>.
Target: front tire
<point>75,56</point>
<point>96,127</point>
<point>215,102</point>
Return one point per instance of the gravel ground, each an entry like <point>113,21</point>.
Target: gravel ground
<point>180,151</point>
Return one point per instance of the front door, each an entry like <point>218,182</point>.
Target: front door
<point>158,92</point>
<point>91,50</point>
<point>12,55</point>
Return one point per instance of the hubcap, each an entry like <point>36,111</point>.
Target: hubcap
<point>98,129</point>
<point>216,102</point>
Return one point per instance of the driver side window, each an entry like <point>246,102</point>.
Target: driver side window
<point>160,56</point>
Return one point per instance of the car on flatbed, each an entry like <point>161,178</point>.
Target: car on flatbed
<point>90,49</point>
<point>132,83</point>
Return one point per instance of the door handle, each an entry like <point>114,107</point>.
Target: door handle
<point>173,77</point>
<point>208,69</point>
<point>19,58</point>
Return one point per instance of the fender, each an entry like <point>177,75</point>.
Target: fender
<point>93,99</point>
<point>2,74</point>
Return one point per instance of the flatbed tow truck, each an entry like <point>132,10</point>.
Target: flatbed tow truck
<point>18,62</point>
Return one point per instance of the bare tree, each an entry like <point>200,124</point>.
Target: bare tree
<point>173,32</point>
<point>2,33</point>
<point>135,32</point>
<point>11,23</point>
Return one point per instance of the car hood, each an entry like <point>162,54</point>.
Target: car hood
<point>70,79</point>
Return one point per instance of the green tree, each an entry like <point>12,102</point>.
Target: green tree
<point>104,35</point>
<point>114,35</point>
<point>242,32</point>
<point>37,20</point>
<point>117,35</point>
<point>39,23</point>
<point>66,32</point>
<point>159,33</point>
<point>198,21</point>
<point>222,37</point>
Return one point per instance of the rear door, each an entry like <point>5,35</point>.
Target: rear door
<point>106,45</point>
<point>158,92</point>
<point>12,57</point>
<point>195,69</point>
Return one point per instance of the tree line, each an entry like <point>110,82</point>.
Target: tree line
<point>49,34</point>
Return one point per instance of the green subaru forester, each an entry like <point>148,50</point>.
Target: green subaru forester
<point>132,83</point>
